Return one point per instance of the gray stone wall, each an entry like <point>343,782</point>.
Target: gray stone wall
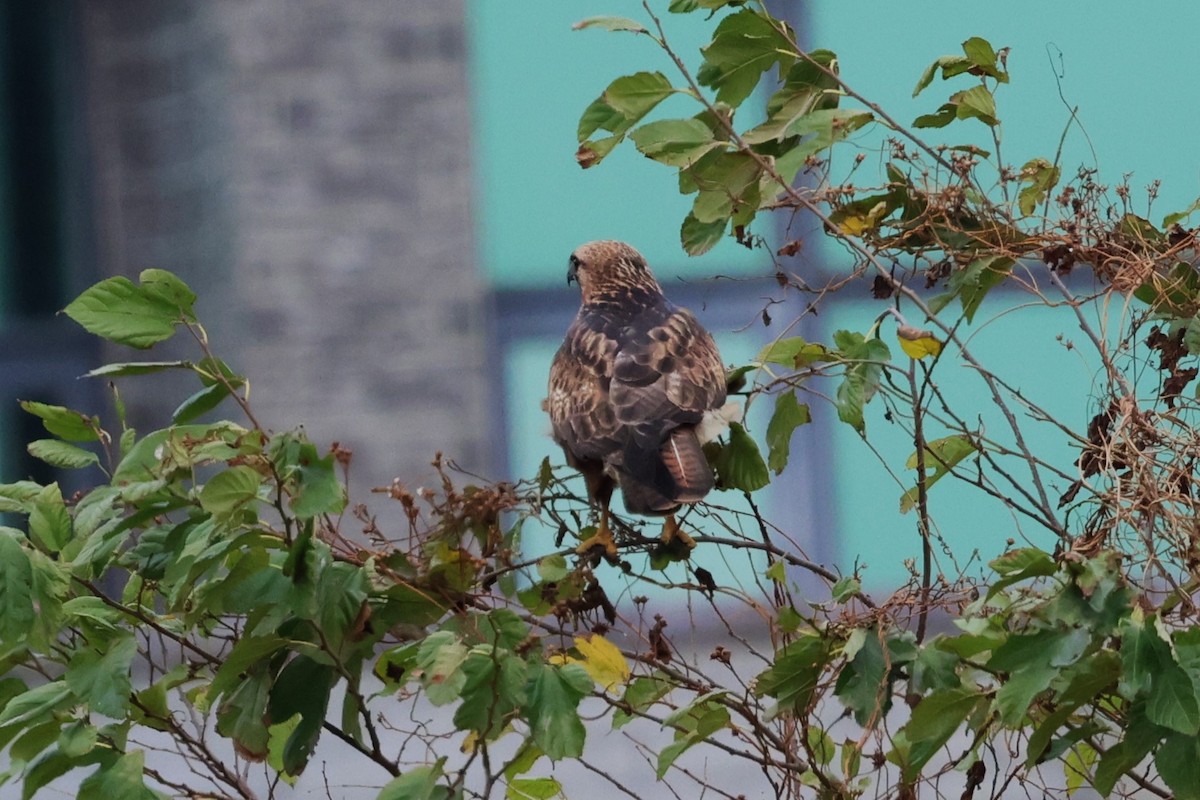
<point>305,164</point>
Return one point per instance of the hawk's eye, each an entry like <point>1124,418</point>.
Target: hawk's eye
<point>575,262</point>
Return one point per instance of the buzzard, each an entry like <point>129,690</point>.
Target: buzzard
<point>635,389</point>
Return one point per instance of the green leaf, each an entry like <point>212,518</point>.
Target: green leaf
<point>1178,762</point>
<point>1032,659</point>
<point>1090,677</point>
<point>65,423</point>
<point>102,679</point>
<point>231,490</point>
<point>713,206</point>
<point>777,571</point>
<point>279,733</point>
<point>824,127</point>
<point>200,402</point>
<point>789,620</point>
<point>699,237</point>
<point>302,688</point>
<point>341,591</point>
<point>61,454</point>
<point>935,669</point>
<point>1172,701</point>
<point>77,739</point>
<point>793,677</point>
<point>675,142</point>
<point>1077,764</point>
<point>949,65</point>
<point>17,497</point>
<point>1171,219</point>
<point>864,359</point>
<point>808,86</point>
<point>318,491</point>
<point>979,57</point>
<point>972,283</point>
<point>789,415</point>
<point>241,713</point>
<point>419,783</point>
<point>640,694</point>
<point>845,588</point>
<point>1140,737</point>
<point>744,46</point>
<point>1042,176</point>
<point>493,692</point>
<point>552,567</point>
<point>933,722</point>
<point>976,103</point>
<point>125,369</point>
<point>941,456</point>
<point>794,352</point>
<point>16,587</point>
<point>532,789</point>
<point>551,708</point>
<point>122,778</point>
<point>440,659</point>
<point>686,6</point>
<point>35,702</point>
<point>739,464</point>
<point>49,520</point>
<point>860,685</point>
<point>693,724</point>
<point>164,286</point>
<point>621,106</point>
<point>1020,565</point>
<point>121,312</point>
<point>247,652</point>
<point>821,745</point>
<point>610,24</point>
<point>1141,654</point>
<point>946,114</point>
<point>983,56</point>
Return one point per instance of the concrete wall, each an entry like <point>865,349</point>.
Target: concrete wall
<point>305,165</point>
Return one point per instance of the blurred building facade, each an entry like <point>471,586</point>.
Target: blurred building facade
<point>305,166</point>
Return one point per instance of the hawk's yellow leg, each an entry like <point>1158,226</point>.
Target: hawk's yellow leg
<point>603,538</point>
<point>673,533</point>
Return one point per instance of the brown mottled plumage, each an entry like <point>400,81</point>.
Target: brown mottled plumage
<point>630,383</point>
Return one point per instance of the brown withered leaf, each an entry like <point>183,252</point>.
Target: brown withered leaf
<point>791,248</point>
<point>660,649</point>
<point>1060,258</point>
<point>1174,385</point>
<point>1170,348</point>
<point>585,156</point>
<point>1178,235</point>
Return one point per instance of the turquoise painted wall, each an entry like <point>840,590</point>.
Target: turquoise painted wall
<point>1127,68</point>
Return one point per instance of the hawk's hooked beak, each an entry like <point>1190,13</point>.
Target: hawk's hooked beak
<point>572,271</point>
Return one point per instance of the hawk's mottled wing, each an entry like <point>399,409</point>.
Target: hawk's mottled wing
<point>580,412</point>
<point>620,386</point>
<point>666,373</point>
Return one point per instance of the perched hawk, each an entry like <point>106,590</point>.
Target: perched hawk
<point>635,389</point>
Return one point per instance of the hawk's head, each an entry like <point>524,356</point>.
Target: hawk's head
<point>610,269</point>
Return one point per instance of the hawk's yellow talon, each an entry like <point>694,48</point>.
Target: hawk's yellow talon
<point>603,538</point>
<point>673,533</point>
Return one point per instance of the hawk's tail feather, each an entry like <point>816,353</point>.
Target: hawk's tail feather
<point>684,459</point>
<point>658,482</point>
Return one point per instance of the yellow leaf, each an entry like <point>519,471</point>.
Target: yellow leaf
<point>855,224</point>
<point>917,343</point>
<point>603,661</point>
